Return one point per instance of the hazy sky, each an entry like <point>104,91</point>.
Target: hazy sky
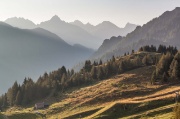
<point>94,11</point>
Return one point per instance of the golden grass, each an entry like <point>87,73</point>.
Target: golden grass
<point>130,87</point>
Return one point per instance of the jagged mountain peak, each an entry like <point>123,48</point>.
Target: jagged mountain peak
<point>55,18</point>
<point>129,25</point>
<point>78,22</point>
<point>20,22</point>
<point>107,23</point>
<point>89,24</point>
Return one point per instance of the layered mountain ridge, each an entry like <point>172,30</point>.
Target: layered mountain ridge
<point>162,30</point>
<point>29,53</point>
<point>76,32</point>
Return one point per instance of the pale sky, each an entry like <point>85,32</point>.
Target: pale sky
<point>94,11</point>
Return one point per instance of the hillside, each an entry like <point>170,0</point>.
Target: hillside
<point>29,53</point>
<point>126,95</point>
<point>117,97</point>
<point>162,30</point>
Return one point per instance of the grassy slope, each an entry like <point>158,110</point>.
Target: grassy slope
<point>127,95</point>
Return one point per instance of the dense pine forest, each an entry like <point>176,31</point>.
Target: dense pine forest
<point>58,81</point>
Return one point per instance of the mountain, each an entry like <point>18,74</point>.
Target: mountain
<point>162,30</point>
<point>20,23</point>
<point>70,33</point>
<point>106,46</point>
<point>76,32</point>
<point>106,29</point>
<point>27,53</point>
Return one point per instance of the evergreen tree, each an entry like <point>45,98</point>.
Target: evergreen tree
<point>132,52</point>
<point>94,72</point>
<point>18,98</point>
<point>95,63</point>
<point>113,59</point>
<point>164,63</point>
<point>153,78</point>
<point>165,77</point>
<point>100,62</point>
<point>87,66</point>
<point>121,67</point>
<point>72,72</point>
<point>140,49</point>
<point>100,73</point>
<point>176,70</point>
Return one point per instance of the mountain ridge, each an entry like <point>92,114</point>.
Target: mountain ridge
<point>164,29</point>
<point>75,32</point>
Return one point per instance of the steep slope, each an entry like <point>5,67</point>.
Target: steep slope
<point>106,46</point>
<point>70,33</point>
<point>20,23</point>
<point>27,53</point>
<point>106,29</point>
<point>162,30</point>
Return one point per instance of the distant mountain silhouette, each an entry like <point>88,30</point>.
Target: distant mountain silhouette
<point>29,53</point>
<point>162,30</point>
<point>106,29</point>
<point>20,23</point>
<point>76,32</point>
<point>70,33</point>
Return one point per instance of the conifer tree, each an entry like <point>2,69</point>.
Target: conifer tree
<point>100,62</point>
<point>176,70</point>
<point>153,78</point>
<point>94,72</point>
<point>165,77</point>
<point>100,73</point>
<point>18,98</point>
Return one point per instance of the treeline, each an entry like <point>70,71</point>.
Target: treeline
<point>62,79</point>
<point>167,69</point>
<point>161,49</point>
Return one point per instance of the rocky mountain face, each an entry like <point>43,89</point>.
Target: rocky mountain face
<point>162,30</point>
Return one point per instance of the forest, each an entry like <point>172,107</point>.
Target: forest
<point>61,80</point>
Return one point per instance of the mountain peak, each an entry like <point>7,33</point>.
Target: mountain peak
<point>106,22</point>
<point>77,21</point>
<point>129,25</point>
<point>88,24</point>
<point>177,8</point>
<point>20,22</point>
<point>55,18</point>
